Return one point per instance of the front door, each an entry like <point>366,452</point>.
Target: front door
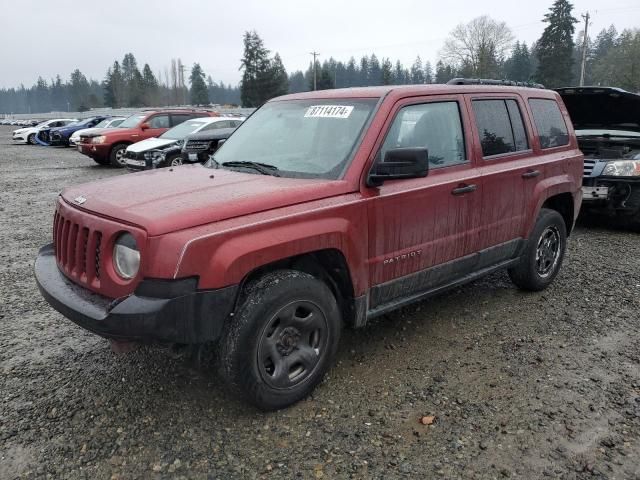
<point>421,229</point>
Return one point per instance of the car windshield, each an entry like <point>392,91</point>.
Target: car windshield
<point>103,123</point>
<point>185,128</point>
<point>132,121</point>
<point>299,138</point>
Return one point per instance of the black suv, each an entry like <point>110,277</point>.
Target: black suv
<point>199,146</point>
<point>607,124</point>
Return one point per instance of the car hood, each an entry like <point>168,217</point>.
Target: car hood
<point>167,200</point>
<point>150,144</point>
<point>602,108</point>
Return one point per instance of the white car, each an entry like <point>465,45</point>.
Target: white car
<point>112,122</point>
<point>137,154</point>
<point>28,135</point>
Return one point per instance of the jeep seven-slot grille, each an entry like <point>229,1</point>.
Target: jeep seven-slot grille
<point>588,166</point>
<point>77,249</point>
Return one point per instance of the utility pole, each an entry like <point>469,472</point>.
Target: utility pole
<point>315,69</point>
<point>584,48</point>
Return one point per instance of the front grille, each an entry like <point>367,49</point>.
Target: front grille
<point>77,250</point>
<point>588,166</point>
<point>196,145</point>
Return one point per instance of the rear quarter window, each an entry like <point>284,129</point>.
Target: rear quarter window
<point>549,123</point>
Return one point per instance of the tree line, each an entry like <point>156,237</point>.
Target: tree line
<point>124,85</point>
<point>481,48</point>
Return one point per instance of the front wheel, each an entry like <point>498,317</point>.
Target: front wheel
<point>116,157</point>
<point>31,139</point>
<point>543,254</point>
<point>174,161</point>
<point>282,339</point>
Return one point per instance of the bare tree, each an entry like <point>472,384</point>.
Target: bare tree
<point>477,48</point>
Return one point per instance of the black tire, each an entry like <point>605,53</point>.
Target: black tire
<point>281,340</point>
<point>173,161</point>
<point>31,139</point>
<point>543,254</point>
<point>116,156</point>
<point>102,161</point>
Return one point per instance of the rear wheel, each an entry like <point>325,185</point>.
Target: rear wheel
<point>282,339</point>
<point>543,254</point>
<point>175,161</point>
<point>116,157</point>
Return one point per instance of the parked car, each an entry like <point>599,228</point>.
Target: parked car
<point>28,134</point>
<point>324,208</point>
<point>109,122</point>
<point>59,136</point>
<point>166,149</point>
<point>607,124</point>
<point>108,147</point>
<point>199,147</point>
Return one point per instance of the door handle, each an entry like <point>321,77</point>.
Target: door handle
<point>464,188</point>
<point>531,174</point>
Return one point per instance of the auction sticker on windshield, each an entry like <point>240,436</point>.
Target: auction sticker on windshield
<point>329,111</point>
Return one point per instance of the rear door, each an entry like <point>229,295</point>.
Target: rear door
<point>420,229</point>
<point>509,168</point>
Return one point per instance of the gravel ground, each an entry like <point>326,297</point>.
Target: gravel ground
<point>520,385</point>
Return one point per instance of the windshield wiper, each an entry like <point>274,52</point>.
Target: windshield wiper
<point>263,168</point>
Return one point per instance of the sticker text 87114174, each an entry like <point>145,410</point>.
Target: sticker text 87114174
<point>329,111</point>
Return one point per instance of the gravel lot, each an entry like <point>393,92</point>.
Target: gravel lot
<point>521,385</point>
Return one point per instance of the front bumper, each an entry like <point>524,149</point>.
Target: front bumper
<point>612,196</point>
<point>182,315</point>
<point>98,150</point>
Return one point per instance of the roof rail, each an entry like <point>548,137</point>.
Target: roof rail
<point>490,81</point>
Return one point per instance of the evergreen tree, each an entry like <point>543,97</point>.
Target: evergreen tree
<point>198,94</point>
<point>150,87</point>
<point>351,79</point>
<point>297,83</point>
<point>518,67</point>
<point>363,80</point>
<point>387,72</point>
<point>428,73</point>
<point>279,81</point>
<point>417,73</point>
<point>79,91</point>
<point>375,71</point>
<point>555,47</point>
<point>255,66</point>
<point>325,79</point>
<point>444,73</point>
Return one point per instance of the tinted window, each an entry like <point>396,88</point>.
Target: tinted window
<point>500,126</point>
<point>549,122</point>
<point>436,126</point>
<point>519,133</point>
<point>159,121</point>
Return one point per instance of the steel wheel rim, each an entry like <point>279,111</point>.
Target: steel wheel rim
<point>548,251</point>
<point>31,139</point>
<point>292,344</point>
<point>176,162</point>
<point>120,156</point>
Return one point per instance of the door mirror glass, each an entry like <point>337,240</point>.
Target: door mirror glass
<point>145,126</point>
<point>405,162</point>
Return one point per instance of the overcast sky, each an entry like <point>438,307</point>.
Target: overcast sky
<point>47,38</point>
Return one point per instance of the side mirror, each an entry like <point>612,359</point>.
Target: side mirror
<point>145,126</point>
<point>221,141</point>
<point>408,162</point>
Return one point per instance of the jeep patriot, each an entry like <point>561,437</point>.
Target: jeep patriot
<point>322,209</point>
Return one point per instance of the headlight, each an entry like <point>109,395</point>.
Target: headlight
<point>622,168</point>
<point>126,256</point>
<point>99,139</point>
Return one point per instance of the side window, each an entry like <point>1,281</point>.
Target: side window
<point>159,121</point>
<point>436,126</point>
<point>519,133</point>
<point>500,126</point>
<point>549,123</point>
<point>177,119</point>
<point>211,126</point>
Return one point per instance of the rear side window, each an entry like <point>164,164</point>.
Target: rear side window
<point>500,126</point>
<point>159,121</point>
<point>549,122</point>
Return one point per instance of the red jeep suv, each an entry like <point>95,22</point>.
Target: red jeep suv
<point>322,209</point>
<point>107,146</point>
